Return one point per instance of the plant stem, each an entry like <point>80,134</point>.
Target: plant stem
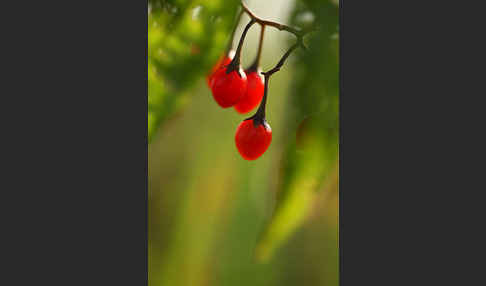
<point>280,63</point>
<point>230,43</point>
<point>235,63</point>
<point>256,63</point>
<point>259,116</point>
<point>279,26</point>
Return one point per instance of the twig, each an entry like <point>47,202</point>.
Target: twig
<point>256,63</point>
<point>263,22</point>
<point>259,116</point>
<point>230,43</point>
<point>235,63</point>
<point>280,63</point>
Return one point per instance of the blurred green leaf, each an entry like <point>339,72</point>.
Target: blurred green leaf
<point>185,38</point>
<point>314,115</point>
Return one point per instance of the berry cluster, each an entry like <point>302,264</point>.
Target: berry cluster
<point>232,86</point>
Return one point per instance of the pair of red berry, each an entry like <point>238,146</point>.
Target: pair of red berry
<point>234,87</point>
<point>244,90</point>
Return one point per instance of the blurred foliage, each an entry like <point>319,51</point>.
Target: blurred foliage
<point>315,105</point>
<point>212,213</point>
<point>185,38</point>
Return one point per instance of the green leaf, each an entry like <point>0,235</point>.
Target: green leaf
<point>311,160</point>
<point>185,38</point>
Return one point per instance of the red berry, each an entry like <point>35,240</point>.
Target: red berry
<point>222,61</point>
<point>253,94</point>
<point>252,141</point>
<point>228,88</point>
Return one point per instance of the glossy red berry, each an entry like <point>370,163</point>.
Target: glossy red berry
<point>252,141</point>
<point>253,94</point>
<point>222,61</point>
<point>228,88</point>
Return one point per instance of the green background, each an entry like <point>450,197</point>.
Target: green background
<point>214,218</point>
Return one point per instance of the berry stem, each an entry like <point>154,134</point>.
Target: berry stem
<point>230,43</point>
<point>235,63</point>
<point>256,63</point>
<point>259,116</point>
<point>280,63</point>
<point>281,27</point>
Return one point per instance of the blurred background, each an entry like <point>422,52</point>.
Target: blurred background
<point>214,218</point>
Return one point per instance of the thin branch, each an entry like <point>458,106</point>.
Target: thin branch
<point>231,40</point>
<point>280,63</point>
<point>235,63</point>
<point>259,116</point>
<point>298,33</point>
<point>263,22</point>
<point>256,63</point>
